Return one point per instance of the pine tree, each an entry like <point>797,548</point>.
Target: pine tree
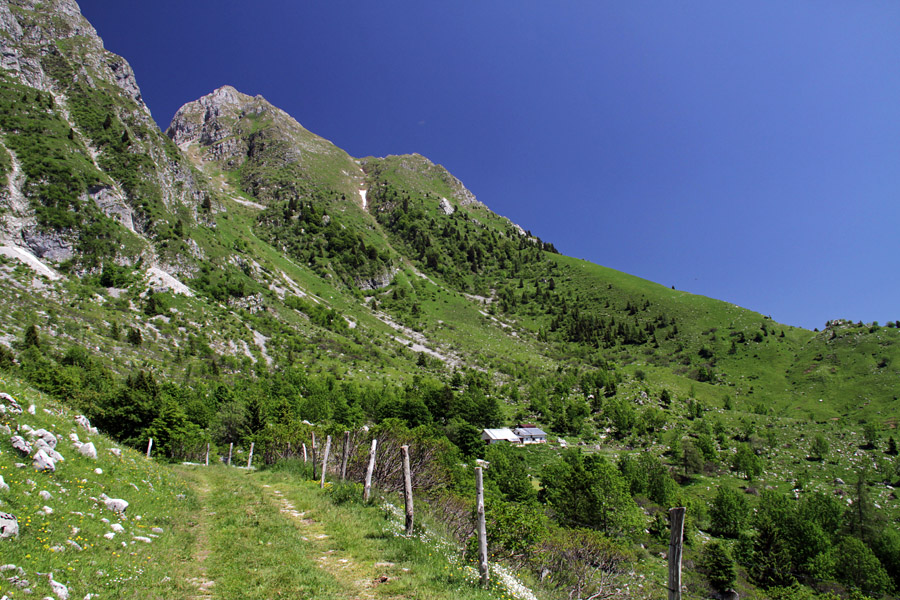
<point>32,338</point>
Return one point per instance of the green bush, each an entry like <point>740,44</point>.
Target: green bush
<point>343,492</point>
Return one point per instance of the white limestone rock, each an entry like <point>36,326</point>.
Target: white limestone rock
<point>85,424</point>
<point>9,525</point>
<point>12,406</point>
<point>88,450</point>
<point>43,462</point>
<point>61,591</point>
<point>12,567</point>
<point>4,487</point>
<point>44,435</point>
<point>19,443</point>
<point>40,444</point>
<point>117,505</point>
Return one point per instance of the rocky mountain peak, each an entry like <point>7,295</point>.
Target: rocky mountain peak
<point>230,129</point>
<point>200,118</point>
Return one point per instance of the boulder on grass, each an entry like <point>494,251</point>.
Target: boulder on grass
<point>88,450</point>
<point>19,443</point>
<point>9,525</point>
<point>43,462</point>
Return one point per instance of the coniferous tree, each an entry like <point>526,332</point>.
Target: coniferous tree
<point>717,563</point>
<point>32,338</point>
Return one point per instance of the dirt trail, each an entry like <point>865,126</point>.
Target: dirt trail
<point>202,547</point>
<point>357,576</point>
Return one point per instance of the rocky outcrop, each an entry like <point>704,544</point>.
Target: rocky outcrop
<point>376,282</point>
<point>208,119</point>
<point>56,246</point>
<point>112,203</point>
<point>446,207</point>
<point>32,30</point>
<point>9,525</point>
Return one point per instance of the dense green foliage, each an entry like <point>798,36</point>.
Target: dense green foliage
<point>308,234</point>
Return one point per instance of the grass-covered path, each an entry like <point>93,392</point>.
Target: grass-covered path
<point>276,535</point>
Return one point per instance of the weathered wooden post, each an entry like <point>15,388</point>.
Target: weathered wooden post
<point>368,487</point>
<point>325,461</point>
<point>312,448</point>
<point>676,539</point>
<point>407,490</point>
<point>149,446</point>
<point>207,454</point>
<point>482,528</point>
<point>250,458</point>
<point>230,448</point>
<point>304,453</point>
<point>344,455</point>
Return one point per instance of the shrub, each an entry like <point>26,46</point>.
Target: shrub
<point>584,563</point>
<point>344,492</point>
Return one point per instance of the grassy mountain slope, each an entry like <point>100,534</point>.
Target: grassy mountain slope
<point>240,275</point>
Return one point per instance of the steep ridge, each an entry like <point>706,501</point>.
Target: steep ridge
<point>88,159</point>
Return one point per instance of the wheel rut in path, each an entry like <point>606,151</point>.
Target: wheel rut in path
<point>202,550</point>
<point>359,577</point>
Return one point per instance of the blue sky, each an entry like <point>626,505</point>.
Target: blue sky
<point>745,151</point>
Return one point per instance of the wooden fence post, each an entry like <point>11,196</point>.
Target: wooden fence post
<point>312,448</point>
<point>482,528</point>
<point>230,448</point>
<point>325,461</point>
<point>304,453</point>
<point>149,446</point>
<point>250,458</point>
<point>369,471</point>
<point>207,454</point>
<point>407,490</point>
<point>345,454</point>
<point>676,521</point>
